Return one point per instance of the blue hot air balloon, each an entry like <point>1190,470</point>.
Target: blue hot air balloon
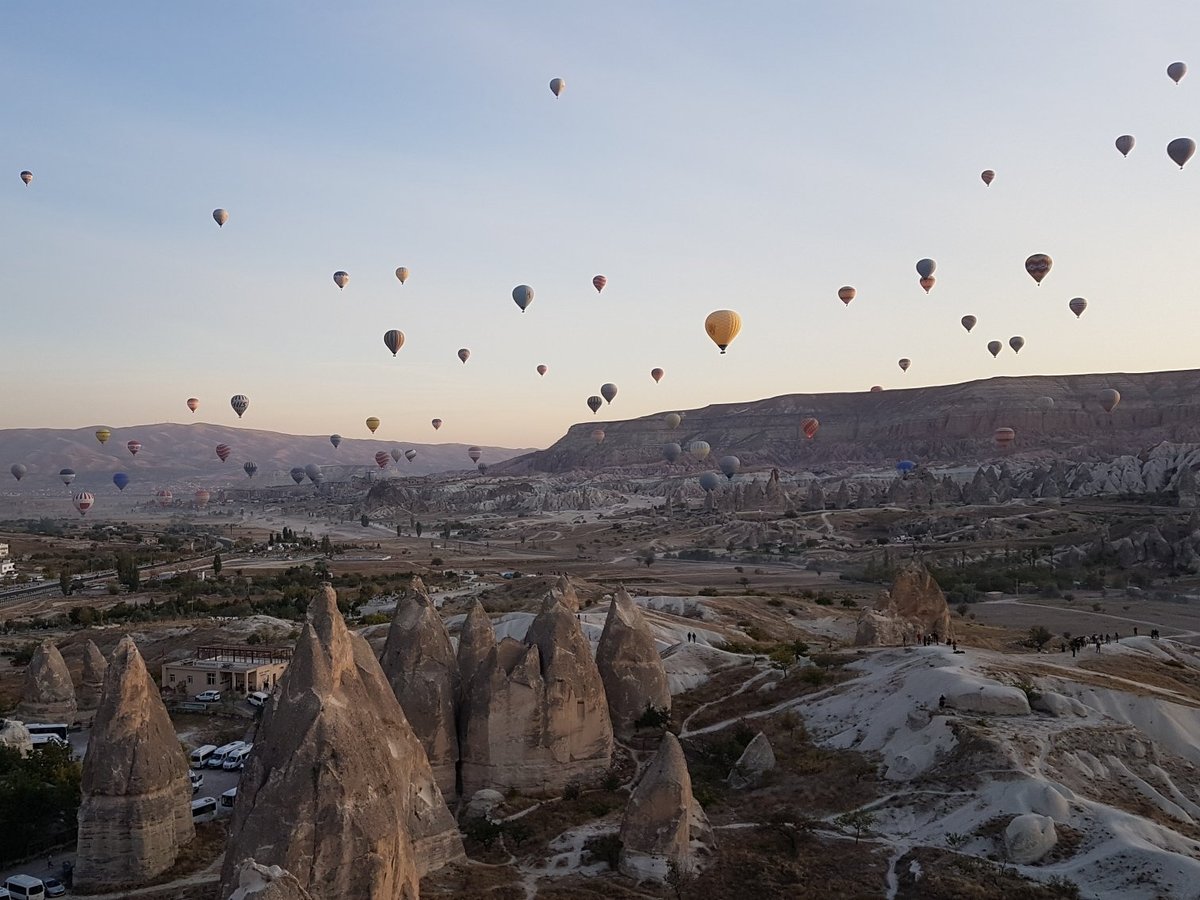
<point>905,466</point>
<point>120,480</point>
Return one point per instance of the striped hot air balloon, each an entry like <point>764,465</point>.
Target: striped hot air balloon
<point>1004,437</point>
<point>382,459</point>
<point>599,282</point>
<point>240,403</point>
<point>133,447</point>
<point>84,501</point>
<point>223,451</point>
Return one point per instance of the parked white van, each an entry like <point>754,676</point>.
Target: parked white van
<point>204,809</point>
<point>217,760</point>
<point>25,887</point>
<point>235,761</point>
<point>258,698</point>
<point>201,755</point>
<point>197,779</point>
<point>228,797</point>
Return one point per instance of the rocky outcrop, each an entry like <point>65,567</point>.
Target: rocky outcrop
<point>91,683</point>
<point>564,590</point>
<point>48,695</point>
<point>535,717</point>
<point>630,667</point>
<point>755,762</point>
<point>914,606</point>
<point>1029,837</point>
<point>663,824</point>
<point>339,791</point>
<point>255,882</point>
<point>136,810</point>
<point>418,660</point>
<point>14,734</point>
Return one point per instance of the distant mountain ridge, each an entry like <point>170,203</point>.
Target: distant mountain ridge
<point>185,454</point>
<point>943,424</point>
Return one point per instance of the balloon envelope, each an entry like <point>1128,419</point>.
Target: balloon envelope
<point>410,455</point>
<point>928,283</point>
<point>402,274</point>
<point>18,471</point>
<point>1044,403</point>
<point>599,282</point>
<point>710,481</point>
<point>657,375</point>
<point>201,497</point>
<point>120,480</point>
<point>1181,150</point>
<point>240,404</point>
<point>1038,266</point>
<point>522,296</point>
<point>846,294</point>
<point>542,370</point>
<point>133,447</point>
<point>699,449</point>
<point>312,470</point>
<point>723,326</point>
<point>672,420</point>
<point>557,86</point>
<point>608,392</point>
<point>341,279</point>
<point>27,176</point>
<point>810,426</point>
<point>1176,71</point>
<point>102,435</point>
<point>926,267</point>
<point>987,175</point>
<point>1109,398</point>
<point>220,217</point>
<point>876,388</point>
<point>83,502</point>
<point>249,468</point>
<point>598,435</point>
<point>297,474</point>
<point>372,423</point>
<point>436,423</point>
<point>67,475</point>
<point>464,354</point>
<point>671,452</point>
<point>906,465</point>
<point>594,403</point>
<point>968,322</point>
<point>904,364</point>
<point>192,403</point>
<point>1003,437</point>
<point>1016,342</point>
<point>164,497</point>
<point>223,451</point>
<point>729,466</point>
<point>396,454</point>
<point>335,439</point>
<point>474,453</point>
<point>1125,143</point>
<point>1077,306</point>
<point>382,459</point>
<point>393,340</point>
<point>994,348</point>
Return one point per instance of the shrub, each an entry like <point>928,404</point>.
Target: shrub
<point>483,831</point>
<point>604,848</point>
<point>572,791</point>
<point>653,717</point>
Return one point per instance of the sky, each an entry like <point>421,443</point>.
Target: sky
<point>703,156</point>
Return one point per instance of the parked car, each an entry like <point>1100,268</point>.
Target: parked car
<point>54,887</point>
<point>257,698</point>
<point>208,696</point>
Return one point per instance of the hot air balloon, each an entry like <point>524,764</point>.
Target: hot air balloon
<point>67,475</point>
<point>240,403</point>
<point>474,453</point>
<point>192,403</point>
<point>201,498</point>
<point>410,455</point>
<point>223,451</point>
<point>905,466</point>
<point>102,435</point>
<point>671,452</point>
<point>1176,71</point>
<point>928,283</point>
<point>396,454</point>
<point>18,471</point>
<point>987,175</point>
<point>699,449</point>
<point>83,502</point>
<point>657,375</point>
<point>220,217</point>
<point>846,294</point>
<point>120,480</point>
<point>608,392</point>
<point>402,274</point>
<point>382,459</point>
<point>1077,306</point>
<point>672,420</point>
<point>723,326</point>
<point>1125,144</point>
<point>436,423</point>
<point>926,267</point>
<point>27,176</point>
<point>598,435</point>
<point>557,85</point>
<point>133,447</point>
<point>1003,437</point>
<point>994,348</point>
<point>710,481</point>
<point>599,282</point>
<point>542,370</point>
<point>810,426</point>
<point>1038,266</point>
<point>393,340</point>
<point>249,468</point>
<point>1016,342</point>
<point>313,471</point>
<point>729,466</point>
<point>1109,398</point>
<point>594,403</point>
<point>1044,403</point>
<point>336,440</point>
<point>297,474</point>
<point>464,354</point>
<point>164,497</point>
<point>876,388</point>
<point>341,279</point>
<point>904,364</point>
<point>318,479</point>
<point>372,423</point>
<point>968,322</point>
<point>1181,150</point>
<point>522,296</point>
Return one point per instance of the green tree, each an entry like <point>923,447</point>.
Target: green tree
<point>39,800</point>
<point>64,581</point>
<point>1039,636</point>
<point>326,545</point>
<point>419,528</point>
<point>858,821</point>
<point>217,564</point>
<point>364,520</point>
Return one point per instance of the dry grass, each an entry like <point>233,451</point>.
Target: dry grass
<point>474,881</point>
<point>950,876</point>
<point>1171,675</point>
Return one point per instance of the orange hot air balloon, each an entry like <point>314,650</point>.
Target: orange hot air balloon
<point>657,375</point>
<point>927,283</point>
<point>846,294</point>
<point>987,175</point>
<point>542,370</point>
<point>904,364</point>
<point>1038,266</point>
<point>810,426</point>
<point>723,326</point>
<point>1003,437</point>
<point>599,282</point>
<point>192,403</point>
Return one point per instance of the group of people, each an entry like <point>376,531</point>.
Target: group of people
<point>1096,640</point>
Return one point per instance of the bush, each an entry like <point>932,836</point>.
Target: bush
<point>483,831</point>
<point>572,791</point>
<point>604,848</point>
<point>653,717</point>
<point>824,601</point>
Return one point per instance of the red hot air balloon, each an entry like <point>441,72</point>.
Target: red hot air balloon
<point>657,375</point>
<point>382,459</point>
<point>133,447</point>
<point>201,498</point>
<point>810,426</point>
<point>846,294</point>
<point>223,451</point>
<point>1003,437</point>
<point>83,502</point>
<point>192,403</point>
<point>928,283</point>
<point>1078,305</point>
<point>599,282</point>
<point>987,175</point>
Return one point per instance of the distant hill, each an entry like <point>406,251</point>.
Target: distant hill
<point>175,455</point>
<point>947,424</point>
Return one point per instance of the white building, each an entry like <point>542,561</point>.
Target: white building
<point>3,551</point>
<point>7,568</point>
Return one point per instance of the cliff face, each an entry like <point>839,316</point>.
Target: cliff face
<point>931,423</point>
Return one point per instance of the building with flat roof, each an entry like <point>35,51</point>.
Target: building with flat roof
<point>236,670</point>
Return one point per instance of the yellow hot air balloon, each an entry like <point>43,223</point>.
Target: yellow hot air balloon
<point>373,423</point>
<point>102,435</point>
<point>723,326</point>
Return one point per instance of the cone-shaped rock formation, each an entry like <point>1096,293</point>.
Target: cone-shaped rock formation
<point>914,606</point>
<point>136,811</point>
<point>91,684</point>
<point>630,666</point>
<point>255,882</point>
<point>49,695</point>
